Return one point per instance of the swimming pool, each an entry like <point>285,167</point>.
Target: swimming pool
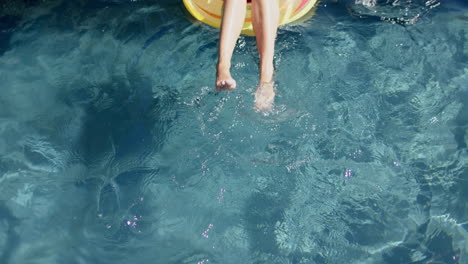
<point>115,148</point>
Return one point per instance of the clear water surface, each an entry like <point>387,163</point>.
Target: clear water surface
<point>114,147</point>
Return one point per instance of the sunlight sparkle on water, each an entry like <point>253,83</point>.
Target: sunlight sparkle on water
<point>205,233</point>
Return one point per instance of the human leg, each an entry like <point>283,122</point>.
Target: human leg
<point>231,27</point>
<point>265,19</point>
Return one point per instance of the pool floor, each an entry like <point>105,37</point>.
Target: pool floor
<point>115,147</point>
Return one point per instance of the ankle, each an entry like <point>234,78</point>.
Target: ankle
<point>222,66</point>
<point>266,76</point>
<point>266,72</point>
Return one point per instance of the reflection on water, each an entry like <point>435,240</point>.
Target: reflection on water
<point>115,147</point>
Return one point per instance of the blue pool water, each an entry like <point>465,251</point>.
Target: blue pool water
<point>115,148</point>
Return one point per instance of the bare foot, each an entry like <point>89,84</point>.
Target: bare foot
<point>224,80</point>
<point>265,96</point>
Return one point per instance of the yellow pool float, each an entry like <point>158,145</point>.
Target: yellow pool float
<point>210,12</point>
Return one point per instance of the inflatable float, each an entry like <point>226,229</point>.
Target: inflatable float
<point>210,12</point>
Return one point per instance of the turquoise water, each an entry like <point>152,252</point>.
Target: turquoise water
<point>115,148</point>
